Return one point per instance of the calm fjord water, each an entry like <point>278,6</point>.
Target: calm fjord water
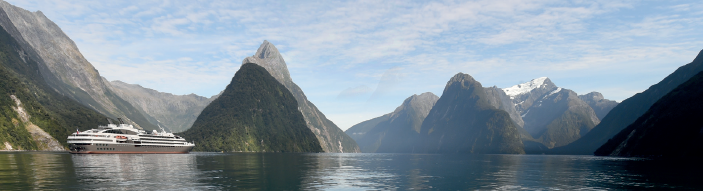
<point>291,171</point>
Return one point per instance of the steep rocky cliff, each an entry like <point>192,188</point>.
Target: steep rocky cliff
<point>174,112</point>
<point>670,128</point>
<point>63,66</point>
<point>463,121</point>
<point>331,137</point>
<point>32,115</point>
<point>395,132</point>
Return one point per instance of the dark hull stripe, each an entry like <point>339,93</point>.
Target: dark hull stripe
<point>128,152</point>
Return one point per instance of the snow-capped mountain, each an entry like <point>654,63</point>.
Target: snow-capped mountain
<point>553,116</point>
<point>523,95</point>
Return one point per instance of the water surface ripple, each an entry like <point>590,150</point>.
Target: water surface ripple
<point>326,171</point>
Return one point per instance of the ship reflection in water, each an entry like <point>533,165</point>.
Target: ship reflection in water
<point>287,171</point>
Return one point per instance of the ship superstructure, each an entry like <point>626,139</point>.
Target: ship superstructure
<point>124,138</point>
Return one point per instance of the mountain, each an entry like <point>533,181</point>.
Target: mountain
<point>174,112</point>
<point>559,118</point>
<point>254,113</point>
<point>63,66</point>
<point>599,104</point>
<point>463,121</point>
<point>330,136</point>
<point>32,115</point>
<point>671,128</point>
<point>630,109</point>
<point>553,116</point>
<point>395,132</point>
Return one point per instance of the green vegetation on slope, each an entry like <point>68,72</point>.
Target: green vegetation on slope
<point>254,113</point>
<point>670,128</point>
<point>55,114</point>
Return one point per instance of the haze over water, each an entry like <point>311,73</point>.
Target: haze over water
<point>294,171</point>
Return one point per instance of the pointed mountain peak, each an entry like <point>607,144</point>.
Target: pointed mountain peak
<point>267,50</point>
<point>268,57</point>
<point>526,87</point>
<point>461,79</point>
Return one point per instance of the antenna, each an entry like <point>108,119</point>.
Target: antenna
<point>109,121</point>
<point>120,119</point>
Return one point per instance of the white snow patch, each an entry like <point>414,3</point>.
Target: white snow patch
<point>553,92</point>
<point>523,115</point>
<point>524,87</point>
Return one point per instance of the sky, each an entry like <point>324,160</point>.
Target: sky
<point>356,60</point>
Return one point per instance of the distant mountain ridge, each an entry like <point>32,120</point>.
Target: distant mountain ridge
<point>173,112</point>
<point>395,132</point>
<point>600,105</point>
<point>330,136</point>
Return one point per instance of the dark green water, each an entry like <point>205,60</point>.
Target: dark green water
<point>276,171</point>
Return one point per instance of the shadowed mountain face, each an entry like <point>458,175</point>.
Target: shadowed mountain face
<point>32,115</point>
<point>599,104</point>
<point>174,112</point>
<point>670,128</point>
<point>254,113</point>
<point>396,132</point>
<point>62,66</point>
<point>559,118</point>
<point>330,136</point>
<point>630,109</point>
<point>463,121</point>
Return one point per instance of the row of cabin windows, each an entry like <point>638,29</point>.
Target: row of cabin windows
<point>106,149</point>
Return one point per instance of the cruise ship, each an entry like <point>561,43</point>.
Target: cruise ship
<point>124,138</point>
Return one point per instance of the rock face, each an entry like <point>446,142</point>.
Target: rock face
<point>599,104</point>
<point>395,132</point>
<point>630,110</point>
<point>174,112</point>
<point>254,113</point>
<point>44,141</point>
<point>559,118</point>
<point>671,128</point>
<point>63,66</point>
<point>32,115</point>
<point>330,136</point>
<point>498,99</point>
<point>463,121</point>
